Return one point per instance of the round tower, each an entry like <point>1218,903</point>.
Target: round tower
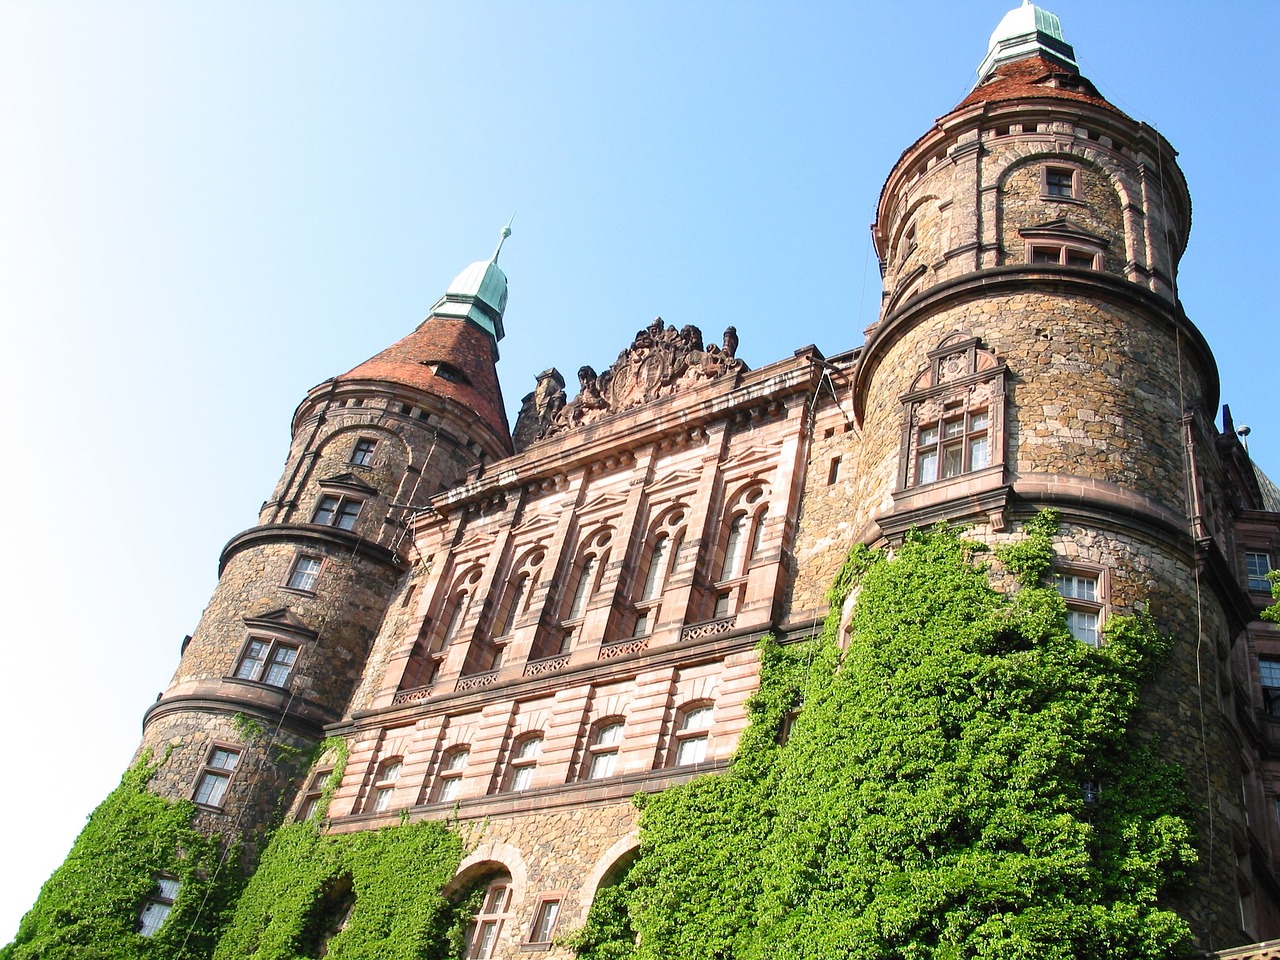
<point>300,596</point>
<point>1031,352</point>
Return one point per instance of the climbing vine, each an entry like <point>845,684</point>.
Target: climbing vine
<point>931,800</point>
<point>369,895</point>
<point>90,907</point>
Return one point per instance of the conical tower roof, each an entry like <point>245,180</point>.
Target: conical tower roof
<point>453,353</point>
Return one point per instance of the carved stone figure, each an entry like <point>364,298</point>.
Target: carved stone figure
<point>660,361</point>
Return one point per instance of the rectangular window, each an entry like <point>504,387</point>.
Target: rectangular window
<point>1269,675</point>
<point>1062,254</point>
<point>305,572</point>
<point>362,454</point>
<point>602,765</point>
<point>267,661</point>
<point>211,787</point>
<point>1084,606</point>
<point>340,512</point>
<point>1059,182</point>
<point>959,445</point>
<point>1257,566</point>
<point>544,921</point>
<point>158,906</point>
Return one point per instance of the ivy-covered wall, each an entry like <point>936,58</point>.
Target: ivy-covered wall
<point>930,800</point>
<point>371,895</point>
<point>89,908</point>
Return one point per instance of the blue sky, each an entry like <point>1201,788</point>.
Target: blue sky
<point>208,208</point>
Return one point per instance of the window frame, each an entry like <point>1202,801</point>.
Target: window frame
<point>211,773</point>
<point>601,752</point>
<point>160,897</point>
<point>523,766</point>
<point>1047,190</point>
<point>450,773</point>
<point>384,785</point>
<point>547,901</point>
<point>1270,693</point>
<point>1062,252</point>
<point>490,919</point>
<point>362,452</point>
<point>314,793</point>
<point>1257,582</point>
<point>269,662</point>
<point>1096,606</point>
<point>685,734</point>
<point>343,514</point>
<point>296,573</point>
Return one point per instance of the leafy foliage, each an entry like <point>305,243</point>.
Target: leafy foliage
<point>369,895</point>
<point>929,801</point>
<point>89,908</point>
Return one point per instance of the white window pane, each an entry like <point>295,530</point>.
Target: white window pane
<point>152,917</point>
<point>979,455</point>
<point>698,718</point>
<point>529,749</point>
<point>609,735</point>
<point>523,778</point>
<point>449,788</point>
<point>928,467</point>
<point>382,799</point>
<point>168,888</point>
<point>212,788</point>
<point>602,765</point>
<point>978,420</point>
<point>690,751</point>
<point>1083,626</point>
<point>224,759</point>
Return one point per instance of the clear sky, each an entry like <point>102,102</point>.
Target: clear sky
<point>205,209</point>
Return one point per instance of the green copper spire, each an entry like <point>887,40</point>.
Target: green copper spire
<point>478,293</point>
<point>1027,31</point>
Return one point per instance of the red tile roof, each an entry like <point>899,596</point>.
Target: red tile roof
<point>1032,78</point>
<point>456,342</point>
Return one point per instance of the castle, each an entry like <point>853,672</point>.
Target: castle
<point>525,626</point>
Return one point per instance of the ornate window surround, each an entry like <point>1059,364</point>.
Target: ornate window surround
<point>962,378</point>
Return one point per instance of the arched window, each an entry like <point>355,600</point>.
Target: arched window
<point>692,734</point>
<point>585,579</point>
<point>449,777</point>
<point>657,572</point>
<point>744,533</point>
<point>524,761</point>
<point>384,787</point>
<point>663,549</point>
<point>459,605</point>
<point>602,752</point>
<point>486,926</point>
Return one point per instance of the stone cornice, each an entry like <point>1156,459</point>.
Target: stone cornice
<point>671,654</point>
<point>1037,278</point>
<point>309,533</point>
<point>302,717</point>
<point>634,429</point>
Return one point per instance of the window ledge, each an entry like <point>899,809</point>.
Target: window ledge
<point>1053,198</point>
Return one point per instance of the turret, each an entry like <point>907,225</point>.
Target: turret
<point>300,596</point>
<point>1031,353</point>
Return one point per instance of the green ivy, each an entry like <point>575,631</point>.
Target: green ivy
<point>929,801</point>
<point>369,895</point>
<point>89,908</point>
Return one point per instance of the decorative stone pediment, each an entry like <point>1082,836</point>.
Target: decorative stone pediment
<point>348,481</point>
<point>1063,229</point>
<point>281,620</point>
<point>660,362</point>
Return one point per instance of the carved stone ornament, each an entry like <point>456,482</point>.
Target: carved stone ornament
<point>661,361</point>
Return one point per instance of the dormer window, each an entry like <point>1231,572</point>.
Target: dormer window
<point>447,371</point>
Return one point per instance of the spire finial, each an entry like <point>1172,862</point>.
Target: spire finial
<point>506,232</point>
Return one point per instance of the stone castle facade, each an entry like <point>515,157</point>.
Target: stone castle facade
<point>525,627</point>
